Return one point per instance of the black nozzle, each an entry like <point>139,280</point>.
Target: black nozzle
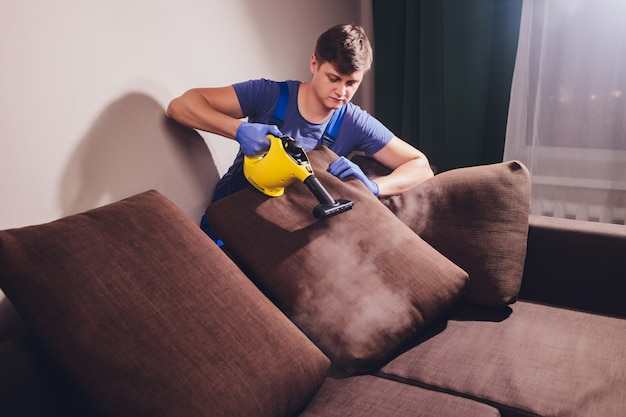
<point>326,210</point>
<point>328,206</point>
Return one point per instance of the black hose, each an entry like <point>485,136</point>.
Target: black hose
<point>318,190</point>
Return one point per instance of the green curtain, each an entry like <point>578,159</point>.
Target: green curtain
<point>443,72</point>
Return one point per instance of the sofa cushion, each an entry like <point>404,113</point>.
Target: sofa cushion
<point>368,395</point>
<point>30,386</point>
<point>11,325</point>
<point>477,217</point>
<point>540,361</point>
<point>359,284</point>
<point>146,314</point>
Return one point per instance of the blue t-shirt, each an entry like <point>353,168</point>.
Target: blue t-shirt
<point>359,130</point>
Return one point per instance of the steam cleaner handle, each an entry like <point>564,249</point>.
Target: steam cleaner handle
<point>318,190</point>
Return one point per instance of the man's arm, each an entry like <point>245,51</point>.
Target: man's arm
<point>214,110</point>
<point>217,110</point>
<point>410,167</point>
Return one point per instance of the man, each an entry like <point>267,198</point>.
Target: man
<point>341,58</point>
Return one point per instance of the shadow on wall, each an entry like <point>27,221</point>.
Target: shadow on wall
<point>133,147</point>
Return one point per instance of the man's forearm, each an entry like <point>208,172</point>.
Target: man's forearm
<point>404,177</point>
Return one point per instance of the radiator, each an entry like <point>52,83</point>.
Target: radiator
<point>578,198</point>
<point>603,213</point>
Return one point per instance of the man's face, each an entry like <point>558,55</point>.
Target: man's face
<point>332,88</point>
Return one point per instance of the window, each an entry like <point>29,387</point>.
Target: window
<point>567,117</point>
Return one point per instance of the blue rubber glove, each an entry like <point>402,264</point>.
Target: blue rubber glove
<point>343,167</point>
<point>251,137</point>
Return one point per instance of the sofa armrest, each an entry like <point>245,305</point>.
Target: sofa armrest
<point>576,264</point>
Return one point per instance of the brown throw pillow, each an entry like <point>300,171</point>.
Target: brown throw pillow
<point>359,284</point>
<point>146,314</point>
<point>475,216</point>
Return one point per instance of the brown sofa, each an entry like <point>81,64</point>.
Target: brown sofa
<point>444,301</point>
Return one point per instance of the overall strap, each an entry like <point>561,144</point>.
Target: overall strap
<point>332,128</point>
<point>278,117</point>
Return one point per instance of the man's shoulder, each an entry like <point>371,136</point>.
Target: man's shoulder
<point>264,87</point>
<point>267,82</point>
<point>358,114</point>
<point>255,84</point>
<point>364,126</point>
<point>257,98</point>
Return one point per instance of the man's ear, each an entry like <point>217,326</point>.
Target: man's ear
<point>313,63</point>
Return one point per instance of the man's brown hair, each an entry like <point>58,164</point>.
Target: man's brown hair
<point>346,47</point>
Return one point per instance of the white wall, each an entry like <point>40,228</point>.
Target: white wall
<point>84,86</point>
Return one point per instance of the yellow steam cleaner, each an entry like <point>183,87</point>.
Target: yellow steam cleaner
<point>283,163</point>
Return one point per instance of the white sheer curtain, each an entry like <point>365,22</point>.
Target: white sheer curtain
<point>567,116</point>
